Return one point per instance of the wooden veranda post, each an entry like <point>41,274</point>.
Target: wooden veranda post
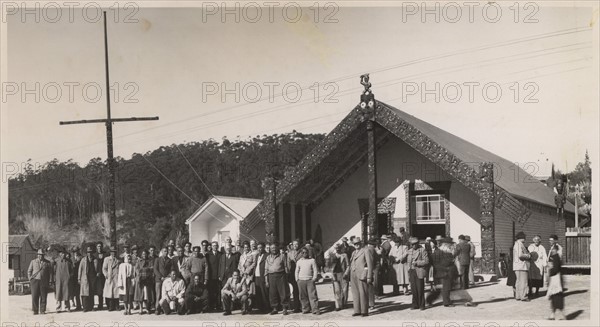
<point>368,105</point>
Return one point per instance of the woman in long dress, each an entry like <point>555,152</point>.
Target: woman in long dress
<point>144,281</point>
<point>126,282</point>
<point>539,260</point>
<point>399,273</point>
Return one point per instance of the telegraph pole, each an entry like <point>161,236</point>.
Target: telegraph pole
<point>108,121</point>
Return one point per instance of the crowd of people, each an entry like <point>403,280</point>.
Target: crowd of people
<point>261,277</point>
<point>532,266</point>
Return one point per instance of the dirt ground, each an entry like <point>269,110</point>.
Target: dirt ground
<point>494,303</point>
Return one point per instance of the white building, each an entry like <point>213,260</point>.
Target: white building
<point>219,217</point>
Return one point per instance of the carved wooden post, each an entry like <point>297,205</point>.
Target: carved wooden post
<point>367,105</point>
<point>486,199</point>
<point>269,186</point>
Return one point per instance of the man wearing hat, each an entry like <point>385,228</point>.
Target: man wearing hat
<point>463,252</point>
<point>110,268</point>
<point>39,276</point>
<point>87,280</point>
<point>521,263</point>
<point>418,260</point>
<point>360,271</point>
<point>125,251</point>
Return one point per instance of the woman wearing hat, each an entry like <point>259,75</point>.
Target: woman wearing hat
<point>521,264</point>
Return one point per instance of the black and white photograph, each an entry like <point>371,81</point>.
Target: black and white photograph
<point>299,163</point>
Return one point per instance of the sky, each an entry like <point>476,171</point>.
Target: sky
<point>522,84</point>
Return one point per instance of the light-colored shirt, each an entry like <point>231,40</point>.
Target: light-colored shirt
<point>306,269</point>
<point>173,289</point>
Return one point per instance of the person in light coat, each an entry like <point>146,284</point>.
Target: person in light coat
<point>110,268</point>
<point>360,271</point>
<point>539,260</point>
<point>418,260</point>
<point>126,281</point>
<point>521,264</point>
<point>399,272</point>
<point>62,275</point>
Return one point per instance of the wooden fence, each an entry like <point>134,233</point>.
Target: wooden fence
<point>577,251</point>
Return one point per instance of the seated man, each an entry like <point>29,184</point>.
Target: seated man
<point>173,291</point>
<point>234,292</point>
<point>196,296</point>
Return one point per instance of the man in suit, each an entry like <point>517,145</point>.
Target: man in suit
<point>262,293</point>
<point>213,260</point>
<point>418,260</point>
<point>100,278</point>
<point>151,290</point>
<point>229,263</point>
<point>39,273</point>
<point>234,292</point>
<point>162,270</point>
<point>463,252</point>
<point>360,271</point>
<point>181,262</point>
<point>199,266</point>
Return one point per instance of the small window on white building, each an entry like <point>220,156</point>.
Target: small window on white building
<point>429,209</point>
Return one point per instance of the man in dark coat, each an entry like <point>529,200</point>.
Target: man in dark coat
<point>162,269</point>
<point>39,273</point>
<point>213,259</point>
<point>100,279</point>
<point>442,261</point>
<point>293,256</point>
<point>76,260</point>
<point>229,263</point>
<point>262,292</point>
<point>151,290</point>
<point>87,280</point>
<point>463,252</point>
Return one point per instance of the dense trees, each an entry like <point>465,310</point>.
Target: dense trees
<point>156,191</point>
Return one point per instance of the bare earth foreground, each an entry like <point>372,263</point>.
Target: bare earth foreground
<point>494,303</point>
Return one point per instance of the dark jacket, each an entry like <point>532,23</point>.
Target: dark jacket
<point>463,252</point>
<point>227,266</point>
<point>213,261</point>
<point>162,268</point>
